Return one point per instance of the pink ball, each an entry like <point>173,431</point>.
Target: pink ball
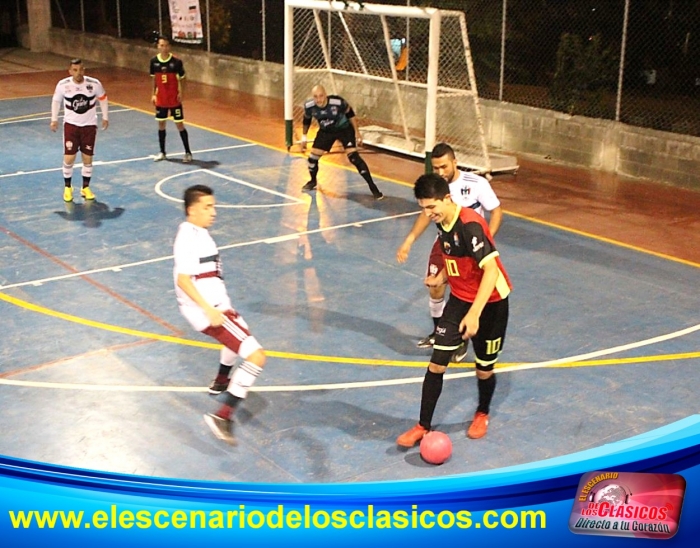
<point>435,447</point>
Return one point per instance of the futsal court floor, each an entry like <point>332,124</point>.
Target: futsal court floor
<point>98,369</point>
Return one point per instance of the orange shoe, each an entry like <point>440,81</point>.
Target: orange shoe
<point>479,426</point>
<point>412,437</point>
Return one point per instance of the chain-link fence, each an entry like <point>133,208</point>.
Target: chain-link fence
<point>635,61</point>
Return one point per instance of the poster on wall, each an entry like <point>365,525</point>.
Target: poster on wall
<point>186,21</point>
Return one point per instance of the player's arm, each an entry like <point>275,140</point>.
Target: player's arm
<point>495,218</point>
<point>180,89</point>
<point>56,101</point>
<point>104,108</point>
<point>305,125</point>
<point>355,124</point>
<point>184,282</point>
<point>180,82</point>
<point>469,325</point>
<point>419,226</point>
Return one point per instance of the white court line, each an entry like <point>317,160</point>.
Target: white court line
<point>294,199</point>
<point>118,268</point>
<point>127,160</point>
<point>49,117</point>
<point>359,384</point>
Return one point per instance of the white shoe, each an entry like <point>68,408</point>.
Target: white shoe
<point>159,157</point>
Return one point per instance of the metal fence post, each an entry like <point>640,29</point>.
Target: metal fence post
<point>623,45</point>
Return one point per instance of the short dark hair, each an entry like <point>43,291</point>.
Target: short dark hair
<point>442,149</point>
<point>194,193</point>
<point>76,61</point>
<point>431,187</point>
<point>162,37</point>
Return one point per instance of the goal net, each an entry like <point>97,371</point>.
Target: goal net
<point>406,71</point>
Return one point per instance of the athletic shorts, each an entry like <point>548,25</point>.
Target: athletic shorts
<point>436,261</point>
<point>234,335</point>
<point>324,139</point>
<point>488,341</point>
<point>79,139</point>
<point>170,113</point>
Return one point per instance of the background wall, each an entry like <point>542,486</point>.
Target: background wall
<point>523,130</point>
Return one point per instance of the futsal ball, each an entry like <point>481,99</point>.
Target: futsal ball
<point>435,447</point>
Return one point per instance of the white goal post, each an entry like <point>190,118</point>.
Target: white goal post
<point>406,71</point>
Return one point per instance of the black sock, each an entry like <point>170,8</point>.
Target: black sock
<point>86,182</point>
<point>161,140</point>
<point>436,321</point>
<point>313,167</point>
<point>67,182</point>
<point>432,388</point>
<point>486,389</point>
<point>224,372</point>
<point>185,140</point>
<point>363,169</point>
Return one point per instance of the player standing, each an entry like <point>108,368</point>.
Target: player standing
<point>168,74</point>
<point>79,95</point>
<point>336,122</point>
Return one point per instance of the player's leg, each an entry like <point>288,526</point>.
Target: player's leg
<point>322,144</point>
<point>350,146</point>
<point>87,151</point>
<point>447,340</point>
<point>179,119</point>
<point>487,343</point>
<point>235,335</point>
<point>161,118</point>
<point>70,151</point>
<point>436,302</point>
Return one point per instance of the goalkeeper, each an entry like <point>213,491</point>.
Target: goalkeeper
<point>336,122</point>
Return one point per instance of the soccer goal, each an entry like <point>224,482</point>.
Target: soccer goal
<point>406,71</point>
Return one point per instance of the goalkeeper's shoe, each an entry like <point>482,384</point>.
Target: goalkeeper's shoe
<point>67,194</point>
<point>87,193</point>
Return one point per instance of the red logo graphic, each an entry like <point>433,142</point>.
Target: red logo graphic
<point>628,504</point>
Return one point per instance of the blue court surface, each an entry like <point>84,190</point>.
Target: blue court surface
<point>98,369</point>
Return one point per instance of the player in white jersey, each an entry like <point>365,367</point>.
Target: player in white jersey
<point>204,302</point>
<point>79,95</point>
<point>466,190</point>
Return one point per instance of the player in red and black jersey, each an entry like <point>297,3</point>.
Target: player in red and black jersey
<point>477,308</point>
<point>168,75</point>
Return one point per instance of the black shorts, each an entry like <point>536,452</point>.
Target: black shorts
<point>488,341</point>
<point>170,113</point>
<point>324,139</point>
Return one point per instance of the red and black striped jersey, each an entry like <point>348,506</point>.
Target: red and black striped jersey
<point>467,245</point>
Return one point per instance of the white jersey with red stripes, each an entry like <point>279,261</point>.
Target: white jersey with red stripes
<point>79,100</point>
<point>197,256</point>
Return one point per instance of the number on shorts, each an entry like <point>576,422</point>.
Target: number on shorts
<point>494,346</point>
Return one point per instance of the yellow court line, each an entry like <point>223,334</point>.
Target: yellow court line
<point>26,97</point>
<point>316,357</point>
<point>24,116</point>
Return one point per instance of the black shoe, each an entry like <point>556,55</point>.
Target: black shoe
<point>379,196</point>
<point>427,342</point>
<point>221,428</point>
<point>311,185</point>
<point>459,354</point>
<point>217,387</point>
